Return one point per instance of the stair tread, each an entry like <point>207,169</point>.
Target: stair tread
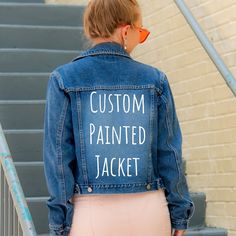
<point>34,60</point>
<point>36,186</point>
<point>16,115</point>
<point>22,131</point>
<point>37,199</point>
<point>30,13</point>
<point>66,38</point>
<point>31,101</point>
<point>23,74</point>
<point>28,163</point>
<point>24,2</point>
<point>12,87</point>
<point>40,27</point>
<point>35,50</point>
<point>38,4</point>
<point>206,231</point>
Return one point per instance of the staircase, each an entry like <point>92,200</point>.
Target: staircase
<point>34,39</point>
<point>197,226</point>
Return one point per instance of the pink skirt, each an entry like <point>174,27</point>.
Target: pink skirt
<point>135,214</point>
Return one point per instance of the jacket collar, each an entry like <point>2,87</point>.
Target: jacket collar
<point>107,48</point>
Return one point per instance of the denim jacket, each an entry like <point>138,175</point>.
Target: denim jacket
<point>110,127</point>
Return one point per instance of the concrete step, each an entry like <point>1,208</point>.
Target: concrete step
<point>198,218</point>
<point>31,175</point>
<point>33,60</point>
<point>38,210</point>
<point>207,231</point>
<point>199,198</point>
<point>40,14</point>
<point>22,114</point>
<point>23,86</point>
<point>42,37</point>
<point>25,145</point>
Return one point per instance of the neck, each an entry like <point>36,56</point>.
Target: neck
<point>104,40</point>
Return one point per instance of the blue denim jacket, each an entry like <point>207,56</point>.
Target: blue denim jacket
<point>110,126</point>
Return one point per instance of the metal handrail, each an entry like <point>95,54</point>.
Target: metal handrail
<point>210,49</point>
<point>15,217</point>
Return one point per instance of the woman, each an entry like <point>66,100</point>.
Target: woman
<point>112,141</point>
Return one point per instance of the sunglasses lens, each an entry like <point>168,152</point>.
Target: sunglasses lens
<point>143,35</point>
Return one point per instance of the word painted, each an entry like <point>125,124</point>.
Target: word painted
<point>117,135</point>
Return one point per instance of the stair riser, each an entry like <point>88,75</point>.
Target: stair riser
<point>40,216</point>
<point>25,116</point>
<point>198,218</point>
<point>25,147</point>
<point>23,87</point>
<point>32,14</point>
<point>42,38</point>
<point>32,180</point>
<point>207,232</point>
<point>33,61</point>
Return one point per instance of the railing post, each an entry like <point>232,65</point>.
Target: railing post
<point>10,180</point>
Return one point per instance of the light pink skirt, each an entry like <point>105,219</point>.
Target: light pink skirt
<point>135,214</point>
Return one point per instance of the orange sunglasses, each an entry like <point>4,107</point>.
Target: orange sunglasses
<point>144,33</point>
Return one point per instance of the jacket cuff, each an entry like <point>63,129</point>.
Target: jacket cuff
<point>179,224</point>
<point>59,230</point>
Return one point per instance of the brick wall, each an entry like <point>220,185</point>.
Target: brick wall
<point>205,105</point>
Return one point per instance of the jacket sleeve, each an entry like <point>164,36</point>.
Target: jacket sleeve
<point>180,204</point>
<point>58,156</point>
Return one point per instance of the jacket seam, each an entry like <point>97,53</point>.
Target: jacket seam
<point>175,153</point>
<point>81,136</point>
<point>168,143</point>
<point>101,52</point>
<point>151,120</point>
<point>60,153</point>
<point>179,171</point>
<point>107,87</point>
<point>170,133</point>
<point>177,164</point>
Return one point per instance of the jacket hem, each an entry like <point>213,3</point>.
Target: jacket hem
<point>118,188</point>
<point>59,230</point>
<point>180,224</point>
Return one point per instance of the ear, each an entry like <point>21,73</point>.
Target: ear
<point>124,31</point>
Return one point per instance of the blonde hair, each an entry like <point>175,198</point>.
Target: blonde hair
<point>101,17</point>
